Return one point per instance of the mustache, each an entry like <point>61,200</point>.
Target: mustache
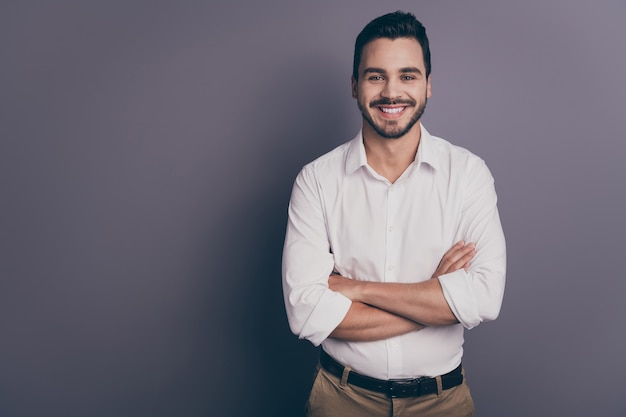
<point>390,102</point>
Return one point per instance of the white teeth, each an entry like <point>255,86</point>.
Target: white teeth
<point>392,110</point>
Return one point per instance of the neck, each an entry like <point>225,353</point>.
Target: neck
<point>390,157</point>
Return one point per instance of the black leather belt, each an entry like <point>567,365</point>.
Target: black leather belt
<point>402,388</point>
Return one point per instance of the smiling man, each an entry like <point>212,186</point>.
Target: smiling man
<point>393,245</point>
<point>387,105</point>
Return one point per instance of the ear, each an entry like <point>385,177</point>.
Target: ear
<point>354,85</point>
<point>428,92</point>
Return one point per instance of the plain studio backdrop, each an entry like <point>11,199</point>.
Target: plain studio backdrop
<point>148,150</point>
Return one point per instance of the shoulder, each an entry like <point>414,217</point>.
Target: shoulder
<point>445,147</point>
<point>455,159</point>
<point>331,158</point>
<point>331,165</point>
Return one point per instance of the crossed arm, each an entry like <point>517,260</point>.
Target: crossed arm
<point>381,310</point>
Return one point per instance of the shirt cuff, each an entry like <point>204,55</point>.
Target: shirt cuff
<point>460,297</point>
<point>330,310</point>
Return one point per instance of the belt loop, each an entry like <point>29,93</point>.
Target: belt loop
<point>439,386</point>
<point>344,377</point>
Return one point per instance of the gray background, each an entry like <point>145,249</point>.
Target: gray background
<point>147,155</point>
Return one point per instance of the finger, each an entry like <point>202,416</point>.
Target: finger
<point>456,250</point>
<point>457,246</point>
<point>460,262</point>
<point>455,254</point>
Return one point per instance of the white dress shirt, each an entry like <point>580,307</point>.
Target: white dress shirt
<point>344,216</point>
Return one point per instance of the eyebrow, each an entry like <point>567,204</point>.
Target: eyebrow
<point>404,70</point>
<point>410,69</point>
<point>374,70</point>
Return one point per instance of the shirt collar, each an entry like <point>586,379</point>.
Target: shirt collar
<point>426,152</point>
<point>356,157</point>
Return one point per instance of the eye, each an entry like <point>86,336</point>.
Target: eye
<point>375,78</point>
<point>407,78</point>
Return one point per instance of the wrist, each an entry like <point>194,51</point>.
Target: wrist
<point>361,291</point>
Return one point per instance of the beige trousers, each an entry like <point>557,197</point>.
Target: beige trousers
<point>331,397</point>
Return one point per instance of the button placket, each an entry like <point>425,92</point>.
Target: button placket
<point>392,246</point>
<point>391,235</point>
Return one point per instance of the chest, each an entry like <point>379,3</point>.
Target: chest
<point>392,232</point>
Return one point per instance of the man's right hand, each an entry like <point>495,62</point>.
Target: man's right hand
<point>457,257</point>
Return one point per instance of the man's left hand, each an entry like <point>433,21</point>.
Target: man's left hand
<point>346,286</point>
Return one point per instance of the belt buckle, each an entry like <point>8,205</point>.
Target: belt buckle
<point>404,388</point>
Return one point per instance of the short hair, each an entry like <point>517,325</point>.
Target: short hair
<point>392,26</point>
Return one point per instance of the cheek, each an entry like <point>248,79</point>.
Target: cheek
<point>365,95</point>
<point>359,96</point>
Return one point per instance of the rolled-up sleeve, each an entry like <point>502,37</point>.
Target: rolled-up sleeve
<point>313,310</point>
<point>476,295</point>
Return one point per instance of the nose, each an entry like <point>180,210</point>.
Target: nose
<point>391,89</point>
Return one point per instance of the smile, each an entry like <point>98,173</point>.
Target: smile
<point>392,110</point>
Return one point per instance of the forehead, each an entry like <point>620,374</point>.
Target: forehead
<point>392,54</point>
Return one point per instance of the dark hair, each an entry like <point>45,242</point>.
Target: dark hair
<point>392,25</point>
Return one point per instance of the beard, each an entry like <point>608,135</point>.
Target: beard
<point>391,129</point>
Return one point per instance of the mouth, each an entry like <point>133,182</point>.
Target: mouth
<point>391,112</point>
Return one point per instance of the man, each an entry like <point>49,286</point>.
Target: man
<point>393,245</point>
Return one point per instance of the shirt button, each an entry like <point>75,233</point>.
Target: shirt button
<point>390,268</point>
<point>391,228</point>
<point>394,344</point>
